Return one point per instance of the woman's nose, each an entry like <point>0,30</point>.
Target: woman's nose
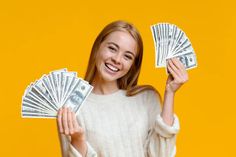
<point>117,58</point>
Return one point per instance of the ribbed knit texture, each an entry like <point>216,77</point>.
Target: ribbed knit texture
<point>121,126</point>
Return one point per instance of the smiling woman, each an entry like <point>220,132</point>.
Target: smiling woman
<point>133,49</point>
<point>115,56</point>
<point>120,118</point>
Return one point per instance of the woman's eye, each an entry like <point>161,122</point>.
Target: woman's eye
<point>112,48</point>
<point>128,57</point>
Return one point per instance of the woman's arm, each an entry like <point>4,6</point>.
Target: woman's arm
<point>178,76</point>
<point>168,108</point>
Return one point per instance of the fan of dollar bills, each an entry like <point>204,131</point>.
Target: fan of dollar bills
<point>170,41</point>
<point>44,97</point>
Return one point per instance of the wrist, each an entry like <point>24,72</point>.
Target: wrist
<point>169,92</point>
<point>78,139</point>
<point>80,145</point>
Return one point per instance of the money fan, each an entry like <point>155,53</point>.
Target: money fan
<point>170,41</point>
<point>44,97</point>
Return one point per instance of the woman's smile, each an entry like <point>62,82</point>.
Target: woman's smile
<point>111,67</point>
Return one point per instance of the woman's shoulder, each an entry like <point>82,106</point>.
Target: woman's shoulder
<point>148,100</point>
<point>150,95</point>
<point>144,91</point>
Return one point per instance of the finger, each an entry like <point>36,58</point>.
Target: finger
<point>75,123</point>
<point>179,77</point>
<point>172,72</point>
<point>64,120</point>
<point>178,66</point>
<point>175,72</point>
<point>59,120</point>
<point>167,62</point>
<point>183,73</point>
<point>178,63</point>
<point>174,64</point>
<point>70,121</point>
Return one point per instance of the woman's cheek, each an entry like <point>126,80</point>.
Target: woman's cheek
<point>130,63</point>
<point>127,69</point>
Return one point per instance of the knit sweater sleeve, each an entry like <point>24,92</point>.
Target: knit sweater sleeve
<point>68,150</point>
<point>161,139</point>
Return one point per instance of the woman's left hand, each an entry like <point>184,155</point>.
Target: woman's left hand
<point>178,75</point>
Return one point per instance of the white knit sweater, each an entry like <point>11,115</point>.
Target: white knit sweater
<point>121,126</point>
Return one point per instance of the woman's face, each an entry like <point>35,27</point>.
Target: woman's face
<point>116,55</point>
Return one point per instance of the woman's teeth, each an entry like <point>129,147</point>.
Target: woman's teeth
<point>112,68</point>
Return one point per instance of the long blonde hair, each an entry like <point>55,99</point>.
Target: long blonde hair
<point>128,81</point>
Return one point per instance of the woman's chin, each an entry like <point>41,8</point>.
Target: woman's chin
<point>109,78</point>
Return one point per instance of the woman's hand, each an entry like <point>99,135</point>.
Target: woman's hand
<point>68,125</point>
<point>178,75</point>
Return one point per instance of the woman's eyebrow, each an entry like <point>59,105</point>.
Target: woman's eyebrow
<point>114,44</point>
<point>119,47</point>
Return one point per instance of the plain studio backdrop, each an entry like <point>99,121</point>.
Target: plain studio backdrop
<point>37,37</point>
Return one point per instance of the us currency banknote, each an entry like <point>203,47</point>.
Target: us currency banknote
<point>44,97</point>
<point>169,42</point>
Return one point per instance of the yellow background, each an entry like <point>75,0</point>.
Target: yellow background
<point>39,36</point>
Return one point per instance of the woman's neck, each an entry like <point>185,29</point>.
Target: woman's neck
<point>101,86</point>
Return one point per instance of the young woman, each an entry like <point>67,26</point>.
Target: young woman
<point>120,118</point>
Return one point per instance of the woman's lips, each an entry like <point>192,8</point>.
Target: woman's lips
<point>111,67</point>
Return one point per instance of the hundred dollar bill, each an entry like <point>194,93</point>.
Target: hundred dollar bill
<point>45,96</point>
<point>35,99</point>
<point>55,75</point>
<point>43,86</point>
<point>31,112</point>
<point>42,98</point>
<point>70,84</point>
<point>39,87</point>
<point>49,88</point>
<point>188,60</point>
<point>35,104</point>
<point>170,41</point>
<point>78,95</point>
<point>65,83</point>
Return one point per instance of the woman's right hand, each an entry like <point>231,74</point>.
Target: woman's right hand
<point>68,125</point>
